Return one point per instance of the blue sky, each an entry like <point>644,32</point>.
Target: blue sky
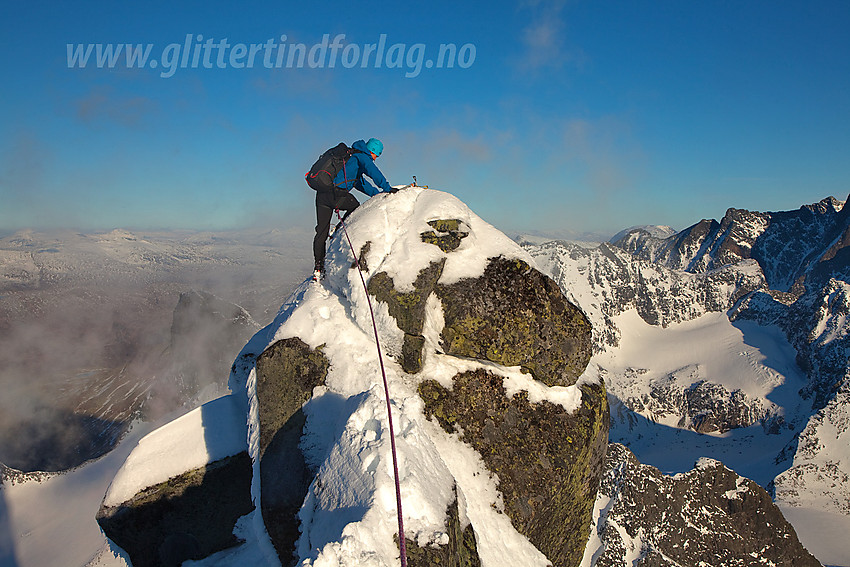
<point>563,116</point>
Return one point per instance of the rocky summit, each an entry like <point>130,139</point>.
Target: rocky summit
<point>500,434</point>
<point>477,338</point>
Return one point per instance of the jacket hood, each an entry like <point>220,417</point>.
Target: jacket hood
<point>360,145</point>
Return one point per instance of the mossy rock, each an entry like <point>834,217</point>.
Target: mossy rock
<point>189,516</point>
<point>512,315</point>
<point>548,461</point>
<point>287,373</point>
<point>516,316</point>
<point>408,309</point>
<point>461,551</point>
<point>450,234</point>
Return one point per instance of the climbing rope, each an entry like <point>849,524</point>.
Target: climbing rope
<point>401,543</point>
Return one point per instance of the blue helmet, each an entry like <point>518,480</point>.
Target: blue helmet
<point>375,146</point>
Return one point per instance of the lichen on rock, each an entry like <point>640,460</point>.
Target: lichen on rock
<point>545,460</point>
<point>408,309</point>
<point>548,461</point>
<point>516,316</point>
<point>450,234</point>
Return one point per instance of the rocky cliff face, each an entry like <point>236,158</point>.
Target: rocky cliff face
<point>787,245</point>
<point>702,406</point>
<point>708,516</point>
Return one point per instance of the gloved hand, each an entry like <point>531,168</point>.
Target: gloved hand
<point>394,190</point>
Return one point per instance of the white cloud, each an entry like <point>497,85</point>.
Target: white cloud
<point>544,39</point>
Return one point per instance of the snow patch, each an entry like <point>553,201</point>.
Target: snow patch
<point>204,435</point>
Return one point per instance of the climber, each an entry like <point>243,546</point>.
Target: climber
<point>360,162</point>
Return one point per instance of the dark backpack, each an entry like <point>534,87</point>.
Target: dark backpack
<point>321,175</point>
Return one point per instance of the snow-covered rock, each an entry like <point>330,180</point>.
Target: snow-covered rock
<point>499,442</point>
<point>819,476</point>
<point>182,489</point>
<point>478,341</point>
<point>706,516</point>
<point>706,341</point>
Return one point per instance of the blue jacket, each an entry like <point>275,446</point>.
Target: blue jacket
<point>358,165</point>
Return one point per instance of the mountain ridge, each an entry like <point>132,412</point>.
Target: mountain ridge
<point>786,271</point>
<point>786,244</point>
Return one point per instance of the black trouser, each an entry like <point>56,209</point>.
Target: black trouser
<point>326,203</point>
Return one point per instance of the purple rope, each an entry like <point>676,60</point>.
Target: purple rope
<point>401,543</point>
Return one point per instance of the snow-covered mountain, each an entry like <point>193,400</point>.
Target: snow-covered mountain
<point>789,246</point>
<point>480,363</point>
<point>727,340</point>
<point>705,362</point>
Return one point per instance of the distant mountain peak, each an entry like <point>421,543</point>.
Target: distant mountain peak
<point>652,230</point>
<point>825,205</point>
<point>788,245</point>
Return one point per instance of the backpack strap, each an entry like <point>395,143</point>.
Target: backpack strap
<point>351,152</point>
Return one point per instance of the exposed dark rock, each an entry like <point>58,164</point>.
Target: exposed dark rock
<point>361,258</point>
<point>703,406</point>
<point>447,234</point>
<point>548,461</point>
<point>408,309</point>
<point>516,316</point>
<point>789,246</point>
<point>161,526</point>
<point>708,516</point>
<point>287,372</point>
